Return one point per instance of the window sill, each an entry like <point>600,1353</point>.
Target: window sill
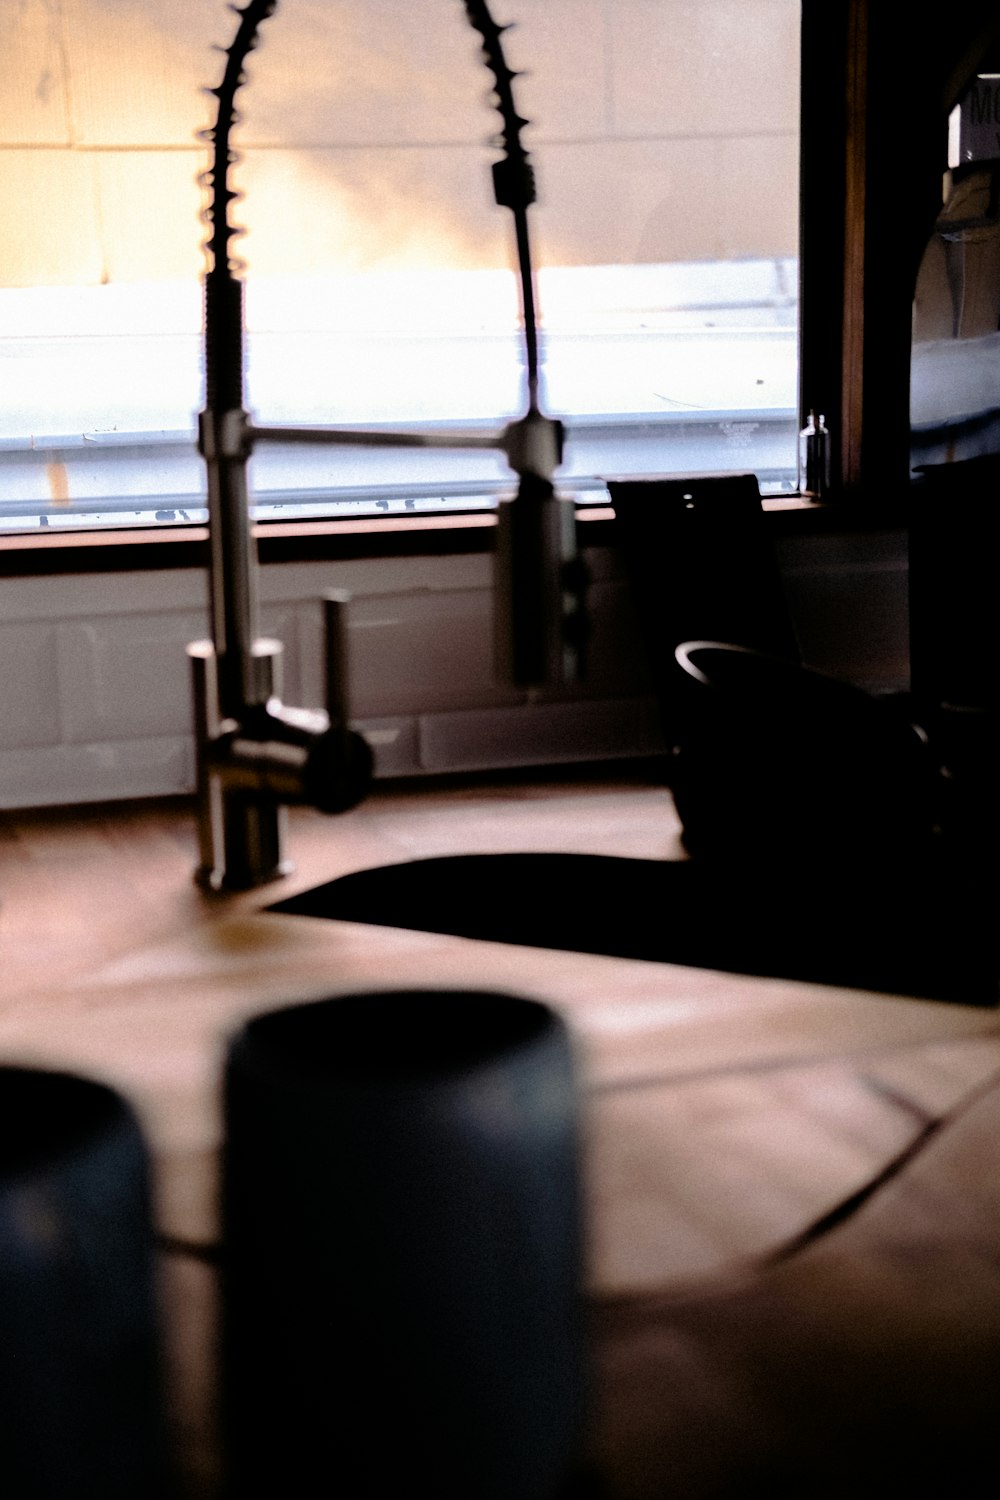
<point>153,548</point>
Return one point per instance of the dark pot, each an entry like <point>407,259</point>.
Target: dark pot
<point>777,762</point>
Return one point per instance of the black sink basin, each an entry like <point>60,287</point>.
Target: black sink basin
<point>913,929</point>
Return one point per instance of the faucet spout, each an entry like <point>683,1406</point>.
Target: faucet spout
<point>254,755</point>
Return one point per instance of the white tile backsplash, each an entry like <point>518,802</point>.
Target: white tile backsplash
<point>96,671</point>
<point>96,694</point>
<point>126,677</point>
<point>395,744</point>
<point>421,652</point>
<point>533,734</point>
<point>61,775</point>
<point>29,686</point>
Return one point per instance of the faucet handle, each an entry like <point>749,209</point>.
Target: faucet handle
<point>336,671</point>
<point>341,766</point>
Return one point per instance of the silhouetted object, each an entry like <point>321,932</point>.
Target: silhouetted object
<point>952,589</point>
<point>815,458</point>
<point>831,839</point>
<point>700,566</point>
<point>779,761</point>
<point>954,674</point>
<point>402,1231</point>
<point>254,754</point>
<point>80,1412</point>
<point>922,934</point>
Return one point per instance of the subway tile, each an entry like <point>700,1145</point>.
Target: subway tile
<point>394,743</point>
<point>615,658</point>
<point>126,678</point>
<point>311,654</point>
<point>67,596</point>
<point>61,775</point>
<point>29,686</point>
<point>413,652</point>
<point>53,238</point>
<point>280,623</point>
<point>375,577</point>
<point>690,68</point>
<point>534,734</point>
<point>34,81</point>
<point>129,677</point>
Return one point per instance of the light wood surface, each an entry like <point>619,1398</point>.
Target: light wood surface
<point>727,1120</point>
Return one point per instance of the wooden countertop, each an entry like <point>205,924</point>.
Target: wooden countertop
<point>751,1145</point>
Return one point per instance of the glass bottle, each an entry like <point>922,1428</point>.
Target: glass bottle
<point>814,458</point>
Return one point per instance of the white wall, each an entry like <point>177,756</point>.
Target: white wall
<point>663,130</point>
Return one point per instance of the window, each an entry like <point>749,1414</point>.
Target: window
<point>955,358</point>
<point>876,106</point>
<point>379,288</point>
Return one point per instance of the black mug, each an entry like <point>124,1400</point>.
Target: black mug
<point>402,1250</point>
<point>80,1382</point>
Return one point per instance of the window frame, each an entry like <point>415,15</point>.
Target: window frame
<point>869,197</point>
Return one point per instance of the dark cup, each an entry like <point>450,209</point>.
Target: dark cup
<point>402,1250</point>
<point>80,1399</point>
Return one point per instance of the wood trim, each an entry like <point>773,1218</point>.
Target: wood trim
<point>152,549</point>
<point>854,230</point>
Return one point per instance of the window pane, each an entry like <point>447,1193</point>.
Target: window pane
<point>379,281</point>
<point>955,359</point>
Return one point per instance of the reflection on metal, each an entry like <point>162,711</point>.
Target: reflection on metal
<point>955,354</point>
<point>254,754</point>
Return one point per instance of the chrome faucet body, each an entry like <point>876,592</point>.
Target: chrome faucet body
<point>254,754</point>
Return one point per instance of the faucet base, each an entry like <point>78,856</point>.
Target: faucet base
<point>250,847</point>
<point>240,837</point>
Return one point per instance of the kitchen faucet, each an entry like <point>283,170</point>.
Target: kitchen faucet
<point>254,754</point>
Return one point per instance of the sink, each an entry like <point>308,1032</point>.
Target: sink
<point>912,929</point>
